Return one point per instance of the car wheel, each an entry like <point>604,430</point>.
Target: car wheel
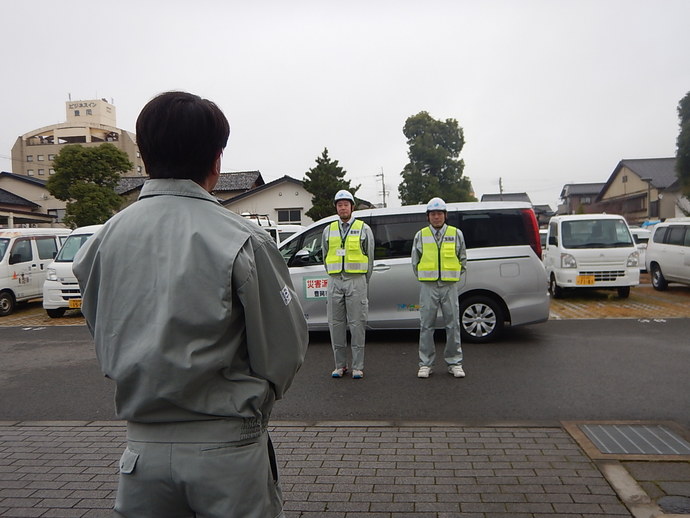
<point>554,289</point>
<point>658,279</point>
<point>481,319</point>
<point>624,292</point>
<point>6,303</point>
<point>56,313</point>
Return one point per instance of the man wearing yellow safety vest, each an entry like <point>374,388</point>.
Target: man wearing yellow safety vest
<point>348,249</point>
<point>438,261</point>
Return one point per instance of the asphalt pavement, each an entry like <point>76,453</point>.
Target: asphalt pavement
<point>387,468</point>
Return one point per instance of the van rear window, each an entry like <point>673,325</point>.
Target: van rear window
<point>491,228</point>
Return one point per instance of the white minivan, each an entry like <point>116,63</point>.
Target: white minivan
<point>591,251</point>
<point>24,256</point>
<point>668,253</point>
<point>504,284</point>
<point>60,289</point>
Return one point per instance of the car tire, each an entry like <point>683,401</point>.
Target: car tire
<point>6,303</point>
<point>56,313</point>
<point>624,292</point>
<point>658,279</point>
<point>554,289</point>
<point>481,319</point>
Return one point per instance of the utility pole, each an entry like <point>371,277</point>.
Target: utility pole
<point>500,187</point>
<point>383,187</point>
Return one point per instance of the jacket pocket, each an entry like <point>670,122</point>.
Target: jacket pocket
<point>128,461</point>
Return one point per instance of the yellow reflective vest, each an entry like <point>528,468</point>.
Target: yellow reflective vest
<point>346,255</point>
<point>439,262</point>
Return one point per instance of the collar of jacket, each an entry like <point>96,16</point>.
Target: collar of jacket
<point>175,187</point>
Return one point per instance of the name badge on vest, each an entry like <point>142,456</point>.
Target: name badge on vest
<point>355,232</point>
<point>449,239</point>
<point>340,252</point>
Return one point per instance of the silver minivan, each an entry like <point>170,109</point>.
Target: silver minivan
<point>505,281</point>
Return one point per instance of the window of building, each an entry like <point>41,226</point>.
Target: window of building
<point>40,158</point>
<point>88,111</point>
<point>60,213</point>
<point>30,172</point>
<point>138,169</point>
<point>41,172</point>
<point>51,171</point>
<point>51,156</point>
<point>29,158</point>
<point>586,199</point>
<point>290,216</point>
<point>76,113</point>
<point>624,179</point>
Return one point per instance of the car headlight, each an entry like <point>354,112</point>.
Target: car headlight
<point>51,275</point>
<point>633,260</point>
<point>568,261</point>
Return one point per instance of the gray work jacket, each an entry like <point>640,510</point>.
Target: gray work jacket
<point>192,310</point>
<point>460,251</point>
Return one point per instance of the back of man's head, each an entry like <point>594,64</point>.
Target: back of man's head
<point>180,135</point>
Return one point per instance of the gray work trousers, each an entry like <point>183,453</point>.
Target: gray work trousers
<point>433,296</point>
<point>199,480</point>
<point>347,306</point>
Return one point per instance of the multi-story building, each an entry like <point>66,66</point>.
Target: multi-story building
<point>89,123</point>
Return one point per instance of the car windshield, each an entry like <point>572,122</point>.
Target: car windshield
<point>596,233</point>
<point>4,243</point>
<point>71,247</point>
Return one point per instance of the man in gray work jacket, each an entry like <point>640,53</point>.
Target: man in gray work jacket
<point>438,261</point>
<point>348,255</point>
<point>182,298</point>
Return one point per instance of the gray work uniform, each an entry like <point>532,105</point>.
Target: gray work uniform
<point>439,294</point>
<point>182,298</point>
<point>348,301</point>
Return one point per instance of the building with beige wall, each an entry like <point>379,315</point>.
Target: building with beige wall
<point>88,123</point>
<point>645,189</point>
<point>284,200</point>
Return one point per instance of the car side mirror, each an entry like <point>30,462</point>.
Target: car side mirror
<point>553,240</point>
<point>301,257</point>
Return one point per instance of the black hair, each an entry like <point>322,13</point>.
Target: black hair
<point>180,135</point>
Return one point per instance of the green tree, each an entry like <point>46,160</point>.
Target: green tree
<point>683,145</point>
<point>434,168</point>
<point>85,177</point>
<point>323,181</point>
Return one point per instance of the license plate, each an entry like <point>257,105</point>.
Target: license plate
<point>75,303</point>
<point>584,280</point>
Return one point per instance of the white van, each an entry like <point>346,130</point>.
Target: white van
<point>24,256</point>
<point>505,281</point>
<point>591,251</point>
<point>280,233</point>
<point>668,253</point>
<point>60,289</point>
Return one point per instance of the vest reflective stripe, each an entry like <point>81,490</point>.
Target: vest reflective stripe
<point>433,255</point>
<point>354,260</point>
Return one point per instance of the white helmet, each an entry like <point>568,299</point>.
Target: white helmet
<point>343,195</point>
<point>436,204</point>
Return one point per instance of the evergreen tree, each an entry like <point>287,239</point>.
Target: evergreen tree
<point>323,181</point>
<point>86,177</point>
<point>434,168</point>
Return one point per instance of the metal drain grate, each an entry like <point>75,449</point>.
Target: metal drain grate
<point>631,439</point>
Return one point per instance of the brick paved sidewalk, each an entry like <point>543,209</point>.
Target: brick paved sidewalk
<point>69,469</point>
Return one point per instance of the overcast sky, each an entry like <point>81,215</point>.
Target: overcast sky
<point>548,92</point>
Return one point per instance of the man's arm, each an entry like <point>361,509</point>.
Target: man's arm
<point>460,250</point>
<point>416,251</point>
<point>276,329</point>
<point>368,249</point>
